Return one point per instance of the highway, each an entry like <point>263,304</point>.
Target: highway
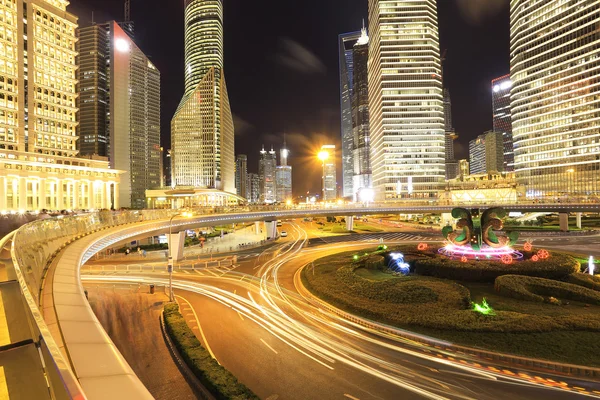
<point>256,323</point>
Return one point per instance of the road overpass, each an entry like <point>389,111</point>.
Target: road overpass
<point>43,259</point>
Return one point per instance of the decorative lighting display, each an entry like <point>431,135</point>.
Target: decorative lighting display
<point>478,238</point>
<point>396,263</point>
<point>422,246</point>
<point>528,246</point>
<point>483,308</point>
<point>543,254</point>
<point>535,258</point>
<point>591,265</point>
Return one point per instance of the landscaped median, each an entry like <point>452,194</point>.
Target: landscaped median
<point>565,331</point>
<point>215,378</point>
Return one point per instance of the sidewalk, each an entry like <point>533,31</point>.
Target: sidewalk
<point>242,239</point>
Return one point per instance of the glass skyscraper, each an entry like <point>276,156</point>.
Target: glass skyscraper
<point>502,118</point>
<point>405,100</point>
<point>202,131</point>
<point>346,49</point>
<point>555,96</point>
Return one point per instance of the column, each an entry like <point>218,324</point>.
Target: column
<point>42,194</point>
<point>176,242</point>
<point>2,193</point>
<point>106,194</point>
<point>22,194</point>
<point>257,227</point>
<point>564,221</point>
<point>350,223</point>
<point>578,218</point>
<point>116,192</point>
<point>75,194</point>
<point>91,199</point>
<point>271,229</point>
<point>60,195</point>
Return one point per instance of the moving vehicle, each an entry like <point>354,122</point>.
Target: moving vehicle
<point>283,234</point>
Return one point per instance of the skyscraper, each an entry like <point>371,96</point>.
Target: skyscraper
<point>477,155</point>
<point>253,188</point>
<point>38,114</point>
<point>120,108</point>
<point>329,172</point>
<point>405,99</point>
<point>241,175</point>
<point>502,118</point>
<point>202,131</point>
<point>555,98</point>
<point>346,44</point>
<point>486,153</point>
<point>267,168</point>
<point>283,176</point>
<point>362,178</point>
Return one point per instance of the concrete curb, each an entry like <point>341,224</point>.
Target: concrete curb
<point>187,373</point>
<point>510,360</point>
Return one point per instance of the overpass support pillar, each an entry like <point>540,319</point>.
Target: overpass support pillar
<point>257,227</point>
<point>176,242</point>
<point>350,223</point>
<point>578,218</point>
<point>446,220</point>
<point>563,219</point>
<point>271,229</point>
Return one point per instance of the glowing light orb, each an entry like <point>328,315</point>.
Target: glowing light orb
<point>543,254</point>
<point>464,259</point>
<point>591,266</point>
<point>535,258</point>
<point>528,246</point>
<point>422,246</point>
<point>397,264</point>
<point>507,259</point>
<point>483,308</point>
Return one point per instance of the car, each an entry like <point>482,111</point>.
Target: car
<point>283,234</point>
<point>279,223</point>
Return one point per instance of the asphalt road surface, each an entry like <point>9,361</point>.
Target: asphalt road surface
<point>255,322</point>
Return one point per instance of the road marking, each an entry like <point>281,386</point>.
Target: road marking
<point>3,386</point>
<point>350,397</point>
<point>199,273</point>
<point>242,318</point>
<point>266,344</point>
<point>200,329</point>
<point>4,334</point>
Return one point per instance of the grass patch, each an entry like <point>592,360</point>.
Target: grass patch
<point>585,280</point>
<point>441,308</point>
<point>544,290</point>
<point>218,380</point>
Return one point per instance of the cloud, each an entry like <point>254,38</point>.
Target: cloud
<point>477,11</point>
<point>242,126</point>
<point>297,57</point>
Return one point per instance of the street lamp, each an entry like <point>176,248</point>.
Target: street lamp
<point>323,156</point>
<point>170,257</point>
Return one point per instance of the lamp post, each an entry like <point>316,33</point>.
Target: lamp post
<point>323,156</point>
<point>169,256</point>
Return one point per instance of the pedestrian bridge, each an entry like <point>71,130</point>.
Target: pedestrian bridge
<point>51,344</point>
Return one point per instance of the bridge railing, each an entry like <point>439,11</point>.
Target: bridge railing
<point>33,247</point>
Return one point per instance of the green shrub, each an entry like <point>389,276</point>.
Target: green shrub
<point>543,290</point>
<point>586,280</point>
<point>219,381</point>
<point>374,261</point>
<point>558,266</point>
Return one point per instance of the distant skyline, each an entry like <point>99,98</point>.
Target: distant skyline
<point>282,72</point>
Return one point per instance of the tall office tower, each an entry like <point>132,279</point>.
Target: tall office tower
<point>450,137</point>
<point>464,167</point>
<point>241,175</point>
<point>405,99</point>
<point>362,178</point>
<point>253,188</point>
<point>202,131</point>
<point>167,168</point>
<point>126,110</point>
<point>329,178</point>
<point>555,98</point>
<point>502,120</point>
<point>38,114</point>
<point>283,176</point>
<point>267,169</point>
<point>486,153</point>
<point>477,155</point>
<point>346,44</point>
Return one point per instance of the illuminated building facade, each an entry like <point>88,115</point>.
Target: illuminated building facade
<point>38,111</point>
<point>502,118</point>
<point>202,131</point>
<point>346,44</point>
<point>329,173</point>
<point>120,97</point>
<point>555,96</point>
<point>463,167</point>
<point>362,178</point>
<point>241,175</point>
<point>405,100</point>
<point>267,170</point>
<point>477,155</point>
<point>283,176</point>
<point>253,187</point>
<point>486,153</point>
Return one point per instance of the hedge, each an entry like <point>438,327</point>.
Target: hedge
<point>217,380</point>
<point>558,266</point>
<point>586,280</point>
<point>541,290</point>
<point>374,261</point>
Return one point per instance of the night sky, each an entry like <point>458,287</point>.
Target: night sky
<point>281,67</point>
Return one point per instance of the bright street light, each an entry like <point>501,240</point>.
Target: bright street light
<point>170,257</point>
<point>323,155</point>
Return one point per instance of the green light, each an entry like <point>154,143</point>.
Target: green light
<point>483,308</point>
<point>355,257</point>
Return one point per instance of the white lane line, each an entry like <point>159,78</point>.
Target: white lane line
<point>266,344</point>
<point>200,329</point>
<point>212,273</point>
<point>199,273</point>
<point>350,396</point>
